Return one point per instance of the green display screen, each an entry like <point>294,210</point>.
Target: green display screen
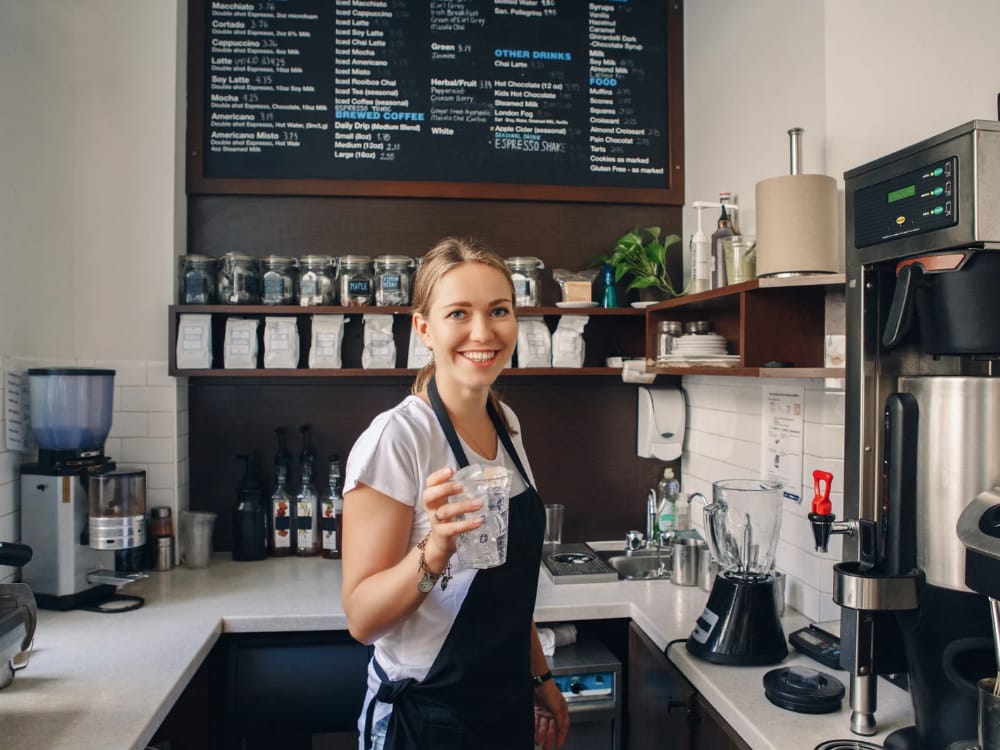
<point>904,192</point>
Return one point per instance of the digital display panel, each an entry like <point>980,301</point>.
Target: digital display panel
<point>904,192</point>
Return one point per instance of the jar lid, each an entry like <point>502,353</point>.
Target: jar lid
<point>241,257</point>
<point>670,326</point>
<point>355,260</point>
<point>312,261</point>
<point>524,262</point>
<point>394,260</point>
<point>195,258</point>
<point>160,511</point>
<point>278,260</point>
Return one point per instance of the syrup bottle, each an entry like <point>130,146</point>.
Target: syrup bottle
<point>332,514</point>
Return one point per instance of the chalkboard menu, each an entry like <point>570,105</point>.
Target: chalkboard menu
<point>533,99</point>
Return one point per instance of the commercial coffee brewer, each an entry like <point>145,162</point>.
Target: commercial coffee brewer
<point>83,517</point>
<point>922,427</point>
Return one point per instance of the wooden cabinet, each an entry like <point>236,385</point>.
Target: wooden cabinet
<point>764,321</point>
<point>664,710</point>
<point>617,331</point>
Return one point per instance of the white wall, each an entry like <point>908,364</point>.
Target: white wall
<point>862,78</point>
<point>92,215</point>
<point>89,161</point>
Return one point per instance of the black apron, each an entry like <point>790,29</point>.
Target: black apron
<point>478,693</point>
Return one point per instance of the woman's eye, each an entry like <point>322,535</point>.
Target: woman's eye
<point>456,314</point>
<point>500,312</point>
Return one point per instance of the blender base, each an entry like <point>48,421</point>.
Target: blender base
<point>740,623</point>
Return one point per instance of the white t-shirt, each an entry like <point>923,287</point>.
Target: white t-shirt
<point>394,456</point>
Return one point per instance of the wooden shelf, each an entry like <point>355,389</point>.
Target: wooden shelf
<point>610,331</point>
<point>763,320</point>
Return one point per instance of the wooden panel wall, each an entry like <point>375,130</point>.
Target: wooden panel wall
<point>579,431</point>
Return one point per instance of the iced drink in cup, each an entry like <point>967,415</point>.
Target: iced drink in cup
<point>485,547</point>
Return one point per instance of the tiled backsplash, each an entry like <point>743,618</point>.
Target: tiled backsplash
<point>724,422</point>
<point>148,431</point>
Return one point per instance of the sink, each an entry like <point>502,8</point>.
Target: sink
<point>639,565</point>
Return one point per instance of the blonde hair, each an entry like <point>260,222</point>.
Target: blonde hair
<point>439,260</point>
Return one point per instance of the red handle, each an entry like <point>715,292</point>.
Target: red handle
<point>821,500</point>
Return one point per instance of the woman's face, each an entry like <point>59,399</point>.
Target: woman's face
<point>470,325</point>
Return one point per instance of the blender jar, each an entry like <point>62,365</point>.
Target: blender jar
<point>71,408</point>
<point>743,523</point>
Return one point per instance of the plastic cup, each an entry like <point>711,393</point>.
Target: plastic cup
<point>740,253</point>
<point>196,537</point>
<point>554,515</point>
<point>485,547</point>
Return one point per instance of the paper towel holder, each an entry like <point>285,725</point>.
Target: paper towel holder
<point>660,423</point>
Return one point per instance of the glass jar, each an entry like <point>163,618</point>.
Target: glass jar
<point>317,280</point>
<point>667,334</point>
<point>197,280</point>
<point>527,283</point>
<point>357,282</point>
<point>278,276</point>
<point>393,280</point>
<point>238,280</point>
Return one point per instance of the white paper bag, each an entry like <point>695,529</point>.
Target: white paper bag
<point>194,342</point>
<point>281,343</point>
<point>534,343</point>
<point>380,347</point>
<point>325,344</point>
<point>240,347</point>
<point>568,349</point>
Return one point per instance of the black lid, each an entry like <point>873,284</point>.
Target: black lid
<point>68,371</point>
<point>804,690</point>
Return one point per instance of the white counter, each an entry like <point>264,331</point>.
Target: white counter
<point>108,680</point>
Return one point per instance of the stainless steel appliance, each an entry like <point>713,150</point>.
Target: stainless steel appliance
<point>922,426</point>
<point>18,615</point>
<point>589,676</point>
<point>83,518</point>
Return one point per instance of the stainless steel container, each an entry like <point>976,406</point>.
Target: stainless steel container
<point>685,561</point>
<point>164,552</point>
<point>958,427</point>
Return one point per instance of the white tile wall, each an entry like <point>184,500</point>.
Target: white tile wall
<point>723,441</point>
<point>148,431</point>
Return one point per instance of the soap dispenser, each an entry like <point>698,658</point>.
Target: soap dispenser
<point>249,515</point>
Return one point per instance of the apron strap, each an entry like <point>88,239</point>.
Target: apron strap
<point>508,444</point>
<point>388,691</point>
<point>449,430</point>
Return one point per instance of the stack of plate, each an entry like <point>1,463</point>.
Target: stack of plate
<point>701,349</point>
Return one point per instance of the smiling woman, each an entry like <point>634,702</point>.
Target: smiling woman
<point>429,652</point>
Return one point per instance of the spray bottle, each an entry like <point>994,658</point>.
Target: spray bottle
<point>701,254</point>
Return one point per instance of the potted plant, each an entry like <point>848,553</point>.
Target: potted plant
<point>641,255</point>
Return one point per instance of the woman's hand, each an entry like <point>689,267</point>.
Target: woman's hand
<point>443,513</point>
<point>551,716</point>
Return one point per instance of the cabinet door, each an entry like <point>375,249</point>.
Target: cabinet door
<point>660,700</point>
<point>711,732</point>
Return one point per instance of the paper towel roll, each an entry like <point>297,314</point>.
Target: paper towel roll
<point>797,226</point>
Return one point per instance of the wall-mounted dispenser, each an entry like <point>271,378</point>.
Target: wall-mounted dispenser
<point>660,432</point>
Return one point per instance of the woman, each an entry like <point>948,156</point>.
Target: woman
<point>457,661</point>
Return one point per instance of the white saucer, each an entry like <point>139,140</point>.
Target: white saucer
<point>574,305</point>
<point>644,304</point>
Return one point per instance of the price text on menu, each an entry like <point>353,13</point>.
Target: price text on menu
<point>545,92</point>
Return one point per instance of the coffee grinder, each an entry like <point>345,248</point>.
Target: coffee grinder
<point>83,517</point>
<point>922,427</point>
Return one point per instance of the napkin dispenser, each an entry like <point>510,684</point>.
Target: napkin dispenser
<point>660,429</point>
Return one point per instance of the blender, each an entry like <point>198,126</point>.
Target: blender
<point>740,623</point>
<point>83,517</point>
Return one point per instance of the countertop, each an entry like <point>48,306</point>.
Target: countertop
<point>108,680</point>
